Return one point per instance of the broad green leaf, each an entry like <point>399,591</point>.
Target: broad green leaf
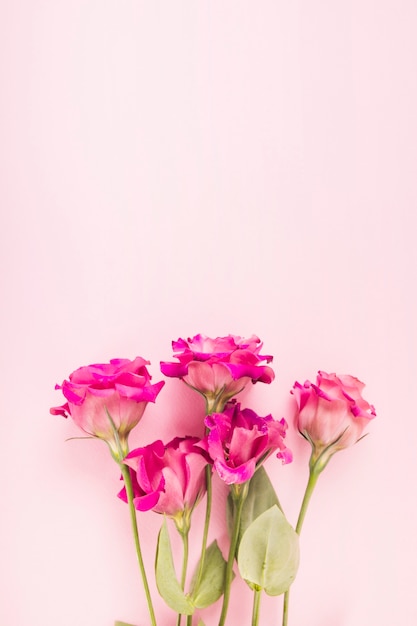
<point>261,496</point>
<point>166,579</point>
<point>268,554</point>
<point>212,580</point>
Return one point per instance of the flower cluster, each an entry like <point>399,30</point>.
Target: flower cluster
<point>108,400</point>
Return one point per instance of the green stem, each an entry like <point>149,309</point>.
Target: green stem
<point>206,527</point>
<point>312,481</point>
<point>256,604</point>
<point>285,608</point>
<point>211,407</point>
<point>184,536</point>
<point>184,558</point>
<point>129,492</point>
<point>238,501</point>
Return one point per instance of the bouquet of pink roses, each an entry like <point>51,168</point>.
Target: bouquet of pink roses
<point>108,400</point>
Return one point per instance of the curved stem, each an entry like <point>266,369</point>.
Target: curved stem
<point>239,501</point>
<point>312,481</point>
<point>256,603</point>
<point>129,493</point>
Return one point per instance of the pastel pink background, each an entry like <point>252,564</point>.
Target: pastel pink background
<point>169,168</point>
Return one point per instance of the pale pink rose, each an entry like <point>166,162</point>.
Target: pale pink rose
<point>106,397</point>
<point>332,413</point>
<point>219,368</point>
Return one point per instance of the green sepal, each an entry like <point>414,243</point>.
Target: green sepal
<point>261,496</point>
<point>269,553</point>
<point>212,580</point>
<point>166,579</point>
<point>122,624</point>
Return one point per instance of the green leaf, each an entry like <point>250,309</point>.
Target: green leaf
<point>122,624</point>
<point>212,580</point>
<point>269,553</point>
<point>201,623</point>
<point>166,580</point>
<point>261,496</point>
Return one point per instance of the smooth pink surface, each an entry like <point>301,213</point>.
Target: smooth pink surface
<point>169,168</point>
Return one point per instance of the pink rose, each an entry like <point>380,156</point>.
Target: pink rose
<point>168,479</point>
<point>219,368</point>
<point>108,400</point>
<point>240,440</point>
<point>332,414</point>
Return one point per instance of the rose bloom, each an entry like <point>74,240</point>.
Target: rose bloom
<point>239,441</point>
<point>219,368</point>
<point>168,479</point>
<point>108,398</point>
<point>332,414</point>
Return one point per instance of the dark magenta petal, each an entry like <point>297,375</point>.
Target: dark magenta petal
<point>261,373</point>
<point>179,346</point>
<point>122,494</point>
<point>129,379</point>
<point>147,502</point>
<point>174,370</point>
<point>75,394</point>
<point>140,394</point>
<point>235,475</point>
<point>157,447</point>
<point>60,410</point>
